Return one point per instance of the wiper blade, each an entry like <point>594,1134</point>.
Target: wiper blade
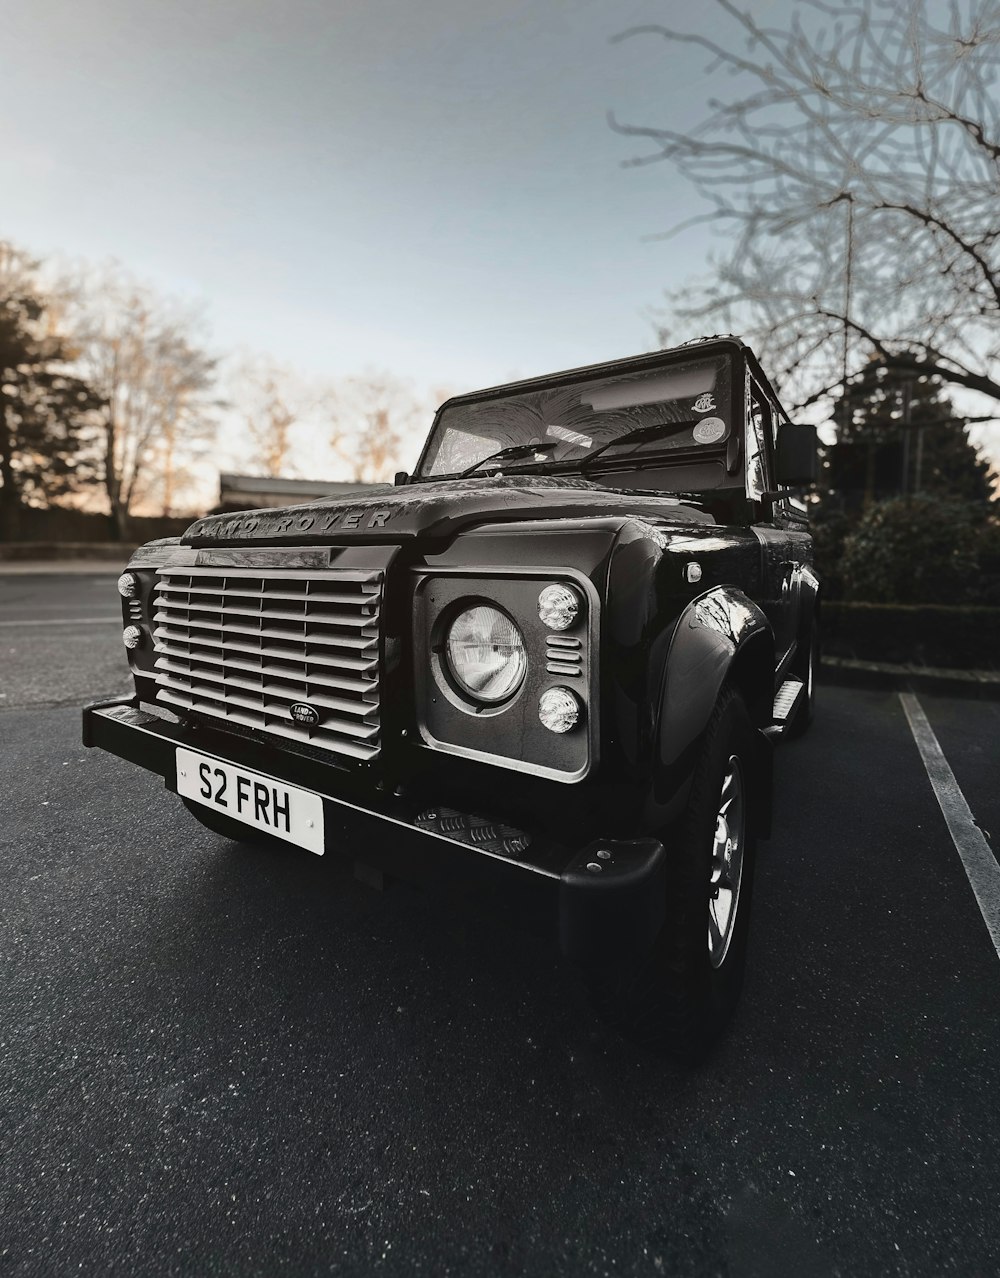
<point>659,430</point>
<point>511,453</point>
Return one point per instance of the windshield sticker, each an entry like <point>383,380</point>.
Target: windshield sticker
<point>659,389</point>
<point>709,430</point>
<point>704,404</point>
<point>569,436</point>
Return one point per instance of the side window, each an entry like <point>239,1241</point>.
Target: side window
<point>759,443</point>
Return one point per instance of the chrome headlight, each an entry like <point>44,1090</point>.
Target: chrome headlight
<point>485,653</point>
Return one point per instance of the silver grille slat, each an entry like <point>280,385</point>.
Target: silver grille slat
<point>173,606</point>
<point>176,672</point>
<point>343,641</point>
<point>214,577</point>
<point>331,677</point>
<point>317,596</point>
<point>355,749</point>
<point>337,659</point>
<point>243,645</point>
<point>364,731</point>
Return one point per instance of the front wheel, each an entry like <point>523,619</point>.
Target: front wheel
<point>219,823</point>
<point>682,996</point>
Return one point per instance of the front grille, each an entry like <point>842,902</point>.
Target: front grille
<point>244,647</point>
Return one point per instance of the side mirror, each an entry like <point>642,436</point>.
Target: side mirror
<point>401,478</point>
<point>796,460</point>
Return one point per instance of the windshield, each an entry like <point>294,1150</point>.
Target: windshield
<point>575,420</point>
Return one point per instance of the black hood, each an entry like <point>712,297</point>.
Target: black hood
<point>387,514</point>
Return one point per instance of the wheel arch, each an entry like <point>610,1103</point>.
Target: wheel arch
<point>811,602</point>
<point>721,638</point>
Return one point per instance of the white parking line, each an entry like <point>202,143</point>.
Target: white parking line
<point>980,864</point>
<point>66,621</point>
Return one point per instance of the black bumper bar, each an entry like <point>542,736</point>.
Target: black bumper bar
<point>608,896</point>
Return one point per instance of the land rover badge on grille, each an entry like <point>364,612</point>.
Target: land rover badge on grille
<point>303,713</point>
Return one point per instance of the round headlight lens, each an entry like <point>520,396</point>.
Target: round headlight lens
<point>558,709</point>
<point>486,653</point>
<point>128,585</point>
<point>131,637</point>
<point>558,607</point>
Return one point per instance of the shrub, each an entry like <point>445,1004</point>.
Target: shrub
<point>830,529</point>
<point>929,635</point>
<point>914,550</point>
<point>988,556</point>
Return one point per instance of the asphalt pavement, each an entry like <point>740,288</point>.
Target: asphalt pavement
<point>60,638</point>
<point>219,1059</point>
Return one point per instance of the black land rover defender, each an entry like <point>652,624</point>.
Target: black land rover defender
<point>559,653</point>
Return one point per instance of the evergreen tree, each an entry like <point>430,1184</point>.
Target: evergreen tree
<point>46,411</point>
<point>899,443</point>
<point>900,436</point>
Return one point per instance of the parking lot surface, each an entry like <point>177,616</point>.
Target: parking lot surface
<point>220,1059</point>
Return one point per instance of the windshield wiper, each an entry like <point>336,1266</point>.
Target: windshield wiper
<point>511,453</point>
<point>659,430</point>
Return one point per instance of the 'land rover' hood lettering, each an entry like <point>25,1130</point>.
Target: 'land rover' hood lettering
<point>436,510</point>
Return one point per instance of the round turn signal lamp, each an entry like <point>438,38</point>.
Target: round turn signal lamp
<point>558,607</point>
<point>128,585</point>
<point>558,709</point>
<point>131,637</point>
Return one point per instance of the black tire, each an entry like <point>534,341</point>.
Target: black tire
<point>678,1000</point>
<point>227,827</point>
<point>806,668</point>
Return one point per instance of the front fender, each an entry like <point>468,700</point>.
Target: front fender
<point>722,635</point>
<point>809,603</point>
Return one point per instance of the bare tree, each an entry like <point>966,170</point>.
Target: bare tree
<point>855,170</point>
<point>18,271</point>
<point>378,416</point>
<point>188,420</point>
<point>281,410</point>
<point>143,354</point>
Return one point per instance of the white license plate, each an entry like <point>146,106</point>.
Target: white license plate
<point>252,798</point>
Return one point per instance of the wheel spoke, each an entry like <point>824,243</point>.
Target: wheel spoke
<point>714,930</point>
<point>727,862</point>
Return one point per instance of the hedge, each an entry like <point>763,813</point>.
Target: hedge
<point>60,523</point>
<point>921,634</point>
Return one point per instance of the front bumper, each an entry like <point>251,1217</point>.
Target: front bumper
<point>602,915</point>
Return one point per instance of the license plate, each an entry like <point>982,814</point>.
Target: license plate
<point>256,800</point>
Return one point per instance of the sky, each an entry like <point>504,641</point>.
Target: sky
<point>429,187</point>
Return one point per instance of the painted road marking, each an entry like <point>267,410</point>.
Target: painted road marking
<point>980,864</point>
<point>66,621</point>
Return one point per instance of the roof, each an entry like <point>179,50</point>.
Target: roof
<point>272,484</point>
<point>609,368</point>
